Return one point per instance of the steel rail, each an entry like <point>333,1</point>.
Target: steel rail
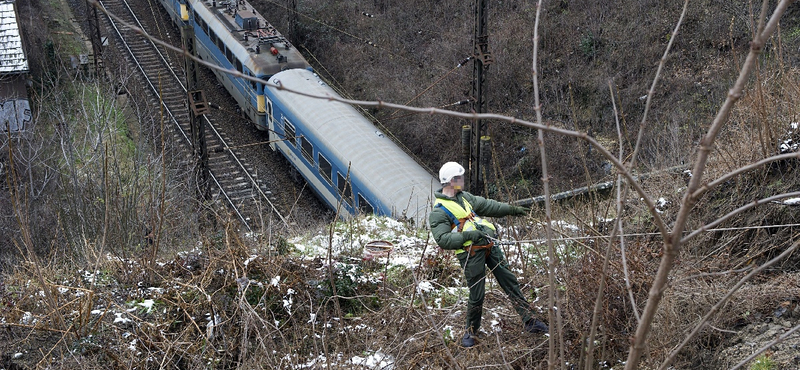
<point>254,184</point>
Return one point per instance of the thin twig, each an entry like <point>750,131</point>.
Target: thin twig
<point>657,220</point>
<point>722,302</point>
<point>766,347</point>
<point>737,211</point>
<point>672,244</point>
<point>452,362</point>
<point>551,256</point>
<point>502,354</point>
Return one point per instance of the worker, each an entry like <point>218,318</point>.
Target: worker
<point>457,224</point>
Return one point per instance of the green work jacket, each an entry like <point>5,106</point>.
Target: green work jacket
<point>446,236</point>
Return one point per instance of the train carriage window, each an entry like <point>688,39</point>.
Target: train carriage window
<point>221,45</point>
<point>239,66</point>
<point>307,148</point>
<point>229,55</point>
<point>364,206</point>
<point>213,36</point>
<point>325,168</point>
<point>344,188</point>
<point>288,129</point>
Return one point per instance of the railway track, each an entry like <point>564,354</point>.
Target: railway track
<point>234,182</point>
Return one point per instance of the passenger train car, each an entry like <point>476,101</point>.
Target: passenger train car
<point>350,164</point>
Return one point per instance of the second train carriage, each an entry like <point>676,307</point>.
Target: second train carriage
<point>346,160</point>
<point>325,139</point>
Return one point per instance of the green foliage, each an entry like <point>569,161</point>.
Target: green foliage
<point>762,362</point>
<point>143,306</point>
<point>792,34</point>
<point>350,280</point>
<point>565,251</point>
<point>50,53</point>
<point>283,247</point>
<point>589,45</point>
<point>253,294</point>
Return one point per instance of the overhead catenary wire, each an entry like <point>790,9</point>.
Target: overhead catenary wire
<point>541,240</point>
<point>460,102</point>
<point>361,39</point>
<point>341,91</point>
<point>459,65</point>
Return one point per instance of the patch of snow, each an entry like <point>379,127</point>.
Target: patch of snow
<point>28,319</point>
<point>147,304</point>
<point>447,332</point>
<point>425,286</point>
<point>789,145</point>
<point>791,201</point>
<point>376,360</point>
<point>120,319</point>
<point>287,301</point>
<point>275,281</point>
<point>251,259</point>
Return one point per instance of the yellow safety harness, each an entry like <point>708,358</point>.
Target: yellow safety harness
<point>464,219</point>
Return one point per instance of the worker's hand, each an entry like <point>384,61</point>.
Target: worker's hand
<point>519,211</point>
<point>473,235</point>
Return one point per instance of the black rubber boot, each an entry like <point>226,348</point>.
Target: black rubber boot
<point>535,327</point>
<point>468,340</point>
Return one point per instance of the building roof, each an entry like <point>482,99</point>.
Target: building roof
<point>12,56</point>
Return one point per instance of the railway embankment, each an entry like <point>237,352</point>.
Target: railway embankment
<point>105,263</point>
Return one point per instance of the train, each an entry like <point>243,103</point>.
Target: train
<point>350,164</point>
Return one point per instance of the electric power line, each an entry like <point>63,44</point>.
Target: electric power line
<point>541,240</point>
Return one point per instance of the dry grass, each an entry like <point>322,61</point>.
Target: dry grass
<point>218,306</point>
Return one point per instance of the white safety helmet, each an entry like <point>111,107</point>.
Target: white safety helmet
<point>448,171</point>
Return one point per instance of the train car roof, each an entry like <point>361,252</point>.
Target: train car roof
<point>242,28</point>
<point>376,160</point>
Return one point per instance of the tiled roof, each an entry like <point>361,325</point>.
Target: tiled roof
<point>12,57</point>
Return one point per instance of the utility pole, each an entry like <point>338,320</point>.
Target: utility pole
<point>94,35</point>
<point>198,106</point>
<point>293,27</point>
<point>483,58</point>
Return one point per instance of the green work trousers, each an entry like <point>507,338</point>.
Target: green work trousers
<point>475,272</point>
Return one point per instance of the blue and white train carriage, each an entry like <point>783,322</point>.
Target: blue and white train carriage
<point>346,160</point>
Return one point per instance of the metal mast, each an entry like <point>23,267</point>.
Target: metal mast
<point>292,14</point>
<point>96,39</point>
<point>198,106</point>
<point>483,58</point>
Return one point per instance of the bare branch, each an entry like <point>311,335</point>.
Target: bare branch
<point>704,188</point>
<point>655,82</point>
<point>469,116</point>
<point>766,347</point>
<point>672,243</point>
<point>551,256</point>
<point>722,302</point>
<point>620,191</point>
<point>736,211</point>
